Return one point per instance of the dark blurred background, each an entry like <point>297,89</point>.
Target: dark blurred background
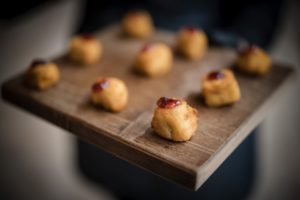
<point>40,161</point>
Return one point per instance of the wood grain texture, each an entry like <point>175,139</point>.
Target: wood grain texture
<point>128,135</point>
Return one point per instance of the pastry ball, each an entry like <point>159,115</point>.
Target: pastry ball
<point>174,119</point>
<point>253,60</point>
<point>137,24</point>
<point>192,43</point>
<point>42,75</point>
<point>110,93</point>
<point>220,88</point>
<point>154,59</point>
<point>85,49</point>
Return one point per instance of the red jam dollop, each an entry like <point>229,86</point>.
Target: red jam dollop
<point>100,85</point>
<point>164,102</point>
<point>87,36</point>
<point>134,13</point>
<point>191,29</point>
<point>215,75</point>
<point>248,49</point>
<point>37,62</point>
<point>147,47</point>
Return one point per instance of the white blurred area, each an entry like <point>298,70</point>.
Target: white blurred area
<point>38,159</point>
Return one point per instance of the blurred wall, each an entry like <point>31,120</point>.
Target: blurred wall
<point>279,142</point>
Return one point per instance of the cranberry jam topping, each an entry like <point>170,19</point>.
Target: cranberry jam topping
<point>37,62</point>
<point>87,36</point>
<point>100,85</point>
<point>215,75</point>
<point>147,47</point>
<point>248,49</point>
<point>164,102</point>
<point>134,13</point>
<point>191,29</point>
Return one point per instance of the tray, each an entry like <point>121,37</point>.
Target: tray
<point>128,135</point>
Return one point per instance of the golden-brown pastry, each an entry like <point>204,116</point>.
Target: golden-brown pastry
<point>154,59</point>
<point>42,75</point>
<point>85,49</point>
<point>174,119</point>
<point>192,43</point>
<point>220,88</point>
<point>137,24</point>
<point>253,60</point>
<point>110,93</point>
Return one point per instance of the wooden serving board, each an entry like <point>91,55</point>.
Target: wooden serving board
<point>128,134</point>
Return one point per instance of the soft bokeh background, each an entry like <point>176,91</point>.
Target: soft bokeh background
<point>38,159</point>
